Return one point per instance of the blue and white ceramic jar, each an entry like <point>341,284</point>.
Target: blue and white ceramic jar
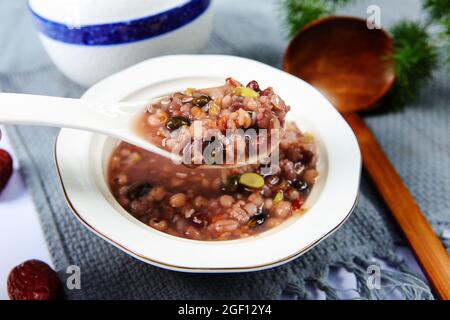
<point>91,39</point>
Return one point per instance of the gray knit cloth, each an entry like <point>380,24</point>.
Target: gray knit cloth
<point>417,140</point>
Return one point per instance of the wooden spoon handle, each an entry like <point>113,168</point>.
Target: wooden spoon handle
<point>429,251</point>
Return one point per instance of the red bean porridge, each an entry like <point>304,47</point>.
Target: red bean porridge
<point>214,204</point>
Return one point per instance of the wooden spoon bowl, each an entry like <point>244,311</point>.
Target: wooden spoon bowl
<point>336,55</point>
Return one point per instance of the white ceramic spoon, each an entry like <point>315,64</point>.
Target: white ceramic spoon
<point>113,119</point>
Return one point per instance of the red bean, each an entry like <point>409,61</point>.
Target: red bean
<point>178,200</point>
<point>226,201</point>
<point>254,86</point>
<point>282,209</point>
<point>158,224</point>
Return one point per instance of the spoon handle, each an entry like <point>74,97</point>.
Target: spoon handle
<point>428,249</point>
<point>112,119</point>
<point>50,111</point>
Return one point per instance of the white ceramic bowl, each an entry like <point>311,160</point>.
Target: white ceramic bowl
<point>82,158</point>
<point>91,39</point>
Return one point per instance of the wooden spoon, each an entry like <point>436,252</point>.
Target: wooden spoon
<point>347,62</point>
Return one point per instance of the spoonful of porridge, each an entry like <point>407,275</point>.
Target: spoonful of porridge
<point>229,125</point>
